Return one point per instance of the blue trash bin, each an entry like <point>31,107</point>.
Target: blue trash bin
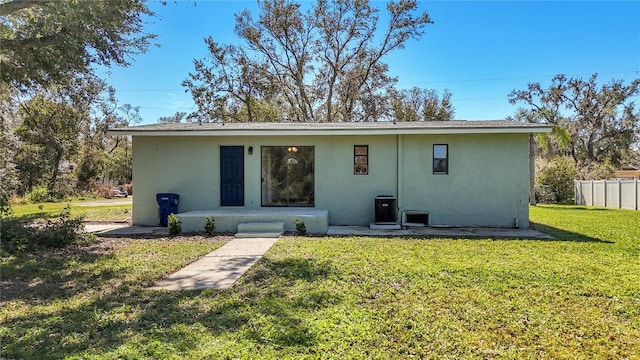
<point>168,204</point>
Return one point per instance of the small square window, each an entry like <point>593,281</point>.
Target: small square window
<point>361,159</point>
<point>440,159</point>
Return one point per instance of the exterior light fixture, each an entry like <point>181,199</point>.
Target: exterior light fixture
<point>250,150</point>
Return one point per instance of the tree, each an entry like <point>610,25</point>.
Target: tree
<point>602,123</point>
<point>175,118</point>
<point>106,155</point>
<point>322,64</point>
<point>68,125</point>
<point>46,42</point>
<point>49,132</point>
<point>421,105</point>
<point>231,83</point>
<point>9,148</point>
<point>632,157</point>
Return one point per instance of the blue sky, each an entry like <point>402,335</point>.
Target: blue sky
<point>479,51</point>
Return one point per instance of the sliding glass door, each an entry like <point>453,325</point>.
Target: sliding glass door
<point>287,175</point>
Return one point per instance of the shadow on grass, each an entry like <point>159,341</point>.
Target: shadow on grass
<point>44,215</point>
<point>59,274</point>
<point>267,307</point>
<point>564,235</point>
<point>573,207</point>
<point>148,236</point>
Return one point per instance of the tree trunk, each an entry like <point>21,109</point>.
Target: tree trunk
<point>249,112</point>
<point>56,171</point>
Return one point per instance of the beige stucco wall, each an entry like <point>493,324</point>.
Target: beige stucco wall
<point>486,185</point>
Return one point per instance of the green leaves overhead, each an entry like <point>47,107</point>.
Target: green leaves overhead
<point>46,42</point>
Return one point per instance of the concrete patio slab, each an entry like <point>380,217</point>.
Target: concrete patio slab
<point>444,232</point>
<point>219,269</point>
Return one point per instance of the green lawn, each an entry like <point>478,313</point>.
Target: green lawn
<point>91,213</point>
<point>577,297</point>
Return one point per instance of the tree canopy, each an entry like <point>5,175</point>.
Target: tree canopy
<point>46,42</point>
<point>417,104</point>
<point>592,123</point>
<point>321,62</point>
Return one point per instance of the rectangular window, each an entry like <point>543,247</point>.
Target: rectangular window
<point>361,159</point>
<point>287,175</point>
<point>440,159</point>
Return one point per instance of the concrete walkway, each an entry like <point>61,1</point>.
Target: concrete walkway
<point>220,268</point>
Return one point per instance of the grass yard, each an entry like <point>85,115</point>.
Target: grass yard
<point>577,297</point>
<point>91,213</point>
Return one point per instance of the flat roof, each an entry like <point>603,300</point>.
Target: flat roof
<point>334,128</point>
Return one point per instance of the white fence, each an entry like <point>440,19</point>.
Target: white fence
<point>619,194</point>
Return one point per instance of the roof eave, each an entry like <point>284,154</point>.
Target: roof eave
<point>321,132</point>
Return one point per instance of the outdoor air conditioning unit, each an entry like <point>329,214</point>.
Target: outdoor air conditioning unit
<point>386,209</point>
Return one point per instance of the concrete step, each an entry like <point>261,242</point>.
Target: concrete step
<point>260,229</point>
<point>252,235</point>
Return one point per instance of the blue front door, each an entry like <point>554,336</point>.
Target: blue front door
<point>232,175</point>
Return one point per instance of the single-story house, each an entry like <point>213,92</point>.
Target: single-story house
<point>450,173</point>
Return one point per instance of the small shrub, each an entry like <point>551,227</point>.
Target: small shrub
<point>209,225</point>
<point>300,227</point>
<point>20,236</point>
<point>64,230</point>
<point>554,181</point>
<point>16,236</point>
<point>38,194</point>
<point>175,227</point>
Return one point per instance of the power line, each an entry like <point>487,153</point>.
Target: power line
<point>439,81</point>
<point>516,78</point>
<point>148,90</point>
<point>480,98</point>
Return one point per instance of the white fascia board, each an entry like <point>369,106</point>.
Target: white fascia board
<point>334,132</point>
